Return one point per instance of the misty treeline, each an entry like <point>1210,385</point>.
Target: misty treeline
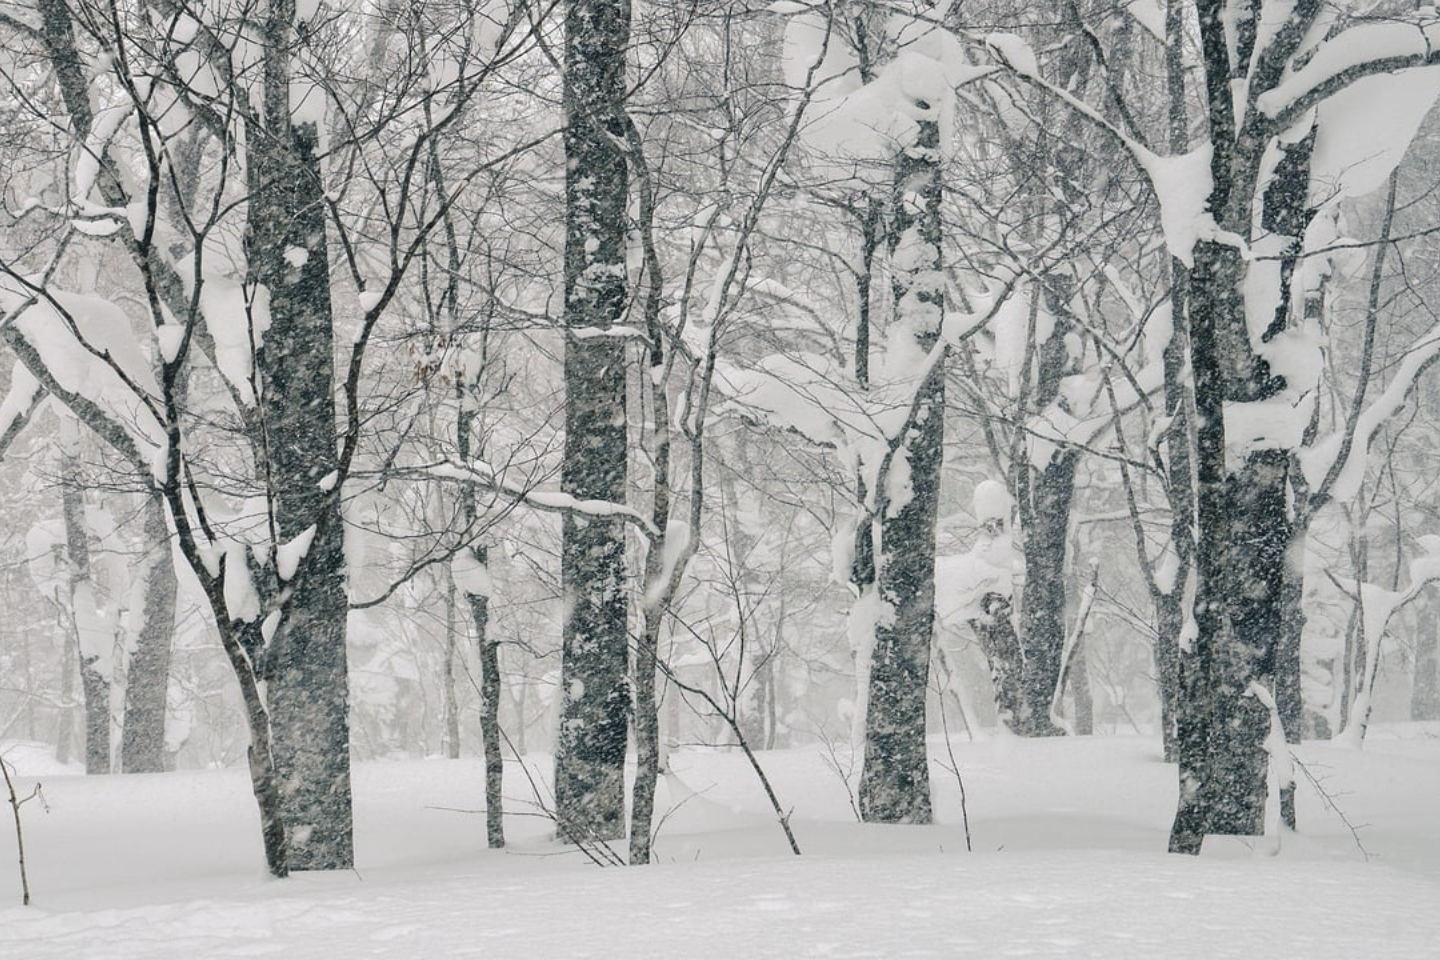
<point>592,378</point>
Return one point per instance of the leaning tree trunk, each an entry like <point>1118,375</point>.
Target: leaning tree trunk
<point>895,780</point>
<point>305,666</point>
<point>142,743</point>
<point>590,754</point>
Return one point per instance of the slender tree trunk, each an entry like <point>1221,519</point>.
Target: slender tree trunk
<point>1077,681</point>
<point>647,735</point>
<point>1289,699</point>
<point>451,721</point>
<point>142,744</point>
<point>65,716</point>
<point>895,780</point>
<point>488,648</point>
<point>1170,613</point>
<point>490,717</point>
<point>590,755</point>
<point>1425,694</point>
<point>1169,622</point>
<point>87,624</point>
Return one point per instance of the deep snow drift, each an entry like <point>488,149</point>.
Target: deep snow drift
<point>1068,861</point>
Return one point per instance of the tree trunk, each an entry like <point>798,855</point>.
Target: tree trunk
<point>1289,698</point>
<point>1425,694</point>
<point>1259,542</point>
<point>490,716</point>
<point>87,623</point>
<point>895,780</point>
<point>305,667</point>
<point>450,735</point>
<point>142,744</point>
<point>996,633</point>
<point>1246,527</point>
<point>1245,532</point>
<point>590,754</point>
<point>1042,601</point>
<point>1169,623</point>
<point>1170,614</point>
<point>65,716</point>
<point>1077,681</point>
<point>647,732</point>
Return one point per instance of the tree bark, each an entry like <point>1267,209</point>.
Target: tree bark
<point>895,780</point>
<point>590,754</point>
<point>996,633</point>
<point>1051,491</point>
<point>142,743</point>
<point>1425,694</point>
<point>305,665</point>
<point>450,734</point>
<point>1245,523</point>
<point>85,619</point>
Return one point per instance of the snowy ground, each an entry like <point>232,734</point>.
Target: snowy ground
<point>1068,862</point>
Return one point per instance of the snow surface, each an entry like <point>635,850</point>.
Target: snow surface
<point>1069,837</point>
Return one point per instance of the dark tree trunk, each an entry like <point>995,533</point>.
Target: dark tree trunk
<point>1169,623</point>
<point>1259,541</point>
<point>1245,523</point>
<point>1043,599</point>
<point>142,743</point>
<point>590,755</point>
<point>305,664</point>
<point>1289,698</point>
<point>1245,533</point>
<point>895,781</point>
<point>490,717</point>
<point>487,647</point>
<point>1214,301</point>
<point>996,633</point>
<point>97,717</point>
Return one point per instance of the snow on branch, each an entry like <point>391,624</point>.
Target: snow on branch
<point>83,350</point>
<point>1361,51</point>
<point>1377,607</point>
<point>1319,461</point>
<point>551,501</point>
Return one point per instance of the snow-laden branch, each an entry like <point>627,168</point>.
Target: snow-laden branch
<point>82,349</point>
<point>490,479</point>
<point>1377,607</point>
<point>1365,50</point>
<point>1319,461</point>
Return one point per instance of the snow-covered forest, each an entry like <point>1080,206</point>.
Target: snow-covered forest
<point>982,449</point>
